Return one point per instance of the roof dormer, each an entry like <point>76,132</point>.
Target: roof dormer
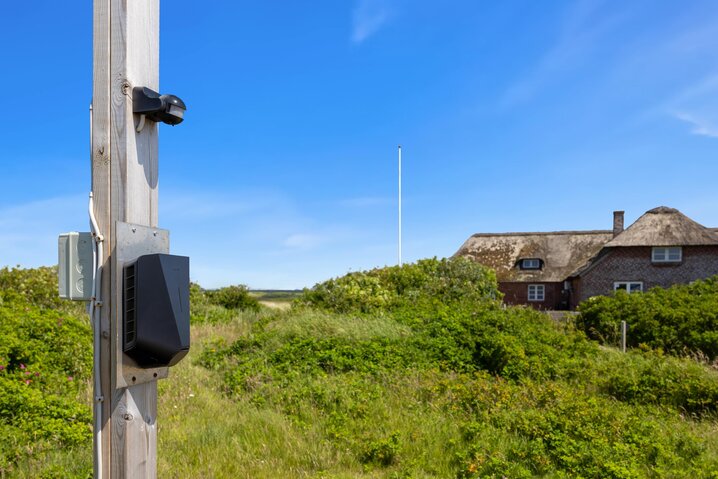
<point>530,263</point>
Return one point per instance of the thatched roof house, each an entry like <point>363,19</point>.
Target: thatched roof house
<point>664,226</point>
<point>560,253</point>
<point>556,270</point>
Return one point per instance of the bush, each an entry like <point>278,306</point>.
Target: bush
<point>45,363</point>
<point>385,289</point>
<point>234,297</point>
<point>539,429</point>
<point>679,320</point>
<point>646,378</point>
<point>426,377</point>
<point>219,306</point>
<point>38,287</point>
<point>517,344</point>
<point>381,452</point>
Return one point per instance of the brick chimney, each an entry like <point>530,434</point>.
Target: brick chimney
<point>617,223</point>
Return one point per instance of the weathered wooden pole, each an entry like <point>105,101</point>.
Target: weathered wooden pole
<point>624,335</point>
<point>124,183</point>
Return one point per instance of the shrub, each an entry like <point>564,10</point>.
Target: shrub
<point>535,429</point>
<point>385,289</point>
<point>506,391</point>
<point>679,320</point>
<point>45,361</point>
<point>382,452</point>
<point>38,287</point>
<point>646,378</point>
<point>219,306</point>
<point>234,297</point>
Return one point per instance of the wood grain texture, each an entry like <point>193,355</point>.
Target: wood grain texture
<point>100,143</point>
<point>124,180</point>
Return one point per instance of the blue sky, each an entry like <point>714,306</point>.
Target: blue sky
<point>513,116</point>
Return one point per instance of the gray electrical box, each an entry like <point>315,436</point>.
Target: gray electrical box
<point>74,268</point>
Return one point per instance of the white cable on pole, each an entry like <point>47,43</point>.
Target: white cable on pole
<point>95,303</point>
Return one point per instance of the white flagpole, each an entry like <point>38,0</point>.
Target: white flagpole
<point>399,205</point>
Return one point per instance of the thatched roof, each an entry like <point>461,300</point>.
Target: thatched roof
<point>665,226</point>
<point>562,252</point>
<point>570,253</point>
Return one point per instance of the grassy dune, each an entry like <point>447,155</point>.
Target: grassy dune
<point>413,372</point>
<point>414,420</point>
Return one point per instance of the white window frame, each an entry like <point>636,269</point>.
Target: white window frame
<point>536,292</point>
<point>667,254</point>
<point>531,263</point>
<point>628,285</point>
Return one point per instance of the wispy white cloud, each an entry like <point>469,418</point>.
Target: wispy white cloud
<point>697,36</point>
<point>263,238</point>
<point>694,104</point>
<point>267,241</point>
<point>695,91</point>
<point>369,16</point>
<point>189,206</point>
<point>700,126</point>
<point>29,231</point>
<point>304,241</point>
<point>579,31</point>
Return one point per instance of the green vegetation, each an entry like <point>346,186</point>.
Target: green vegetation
<point>38,287</point>
<point>384,289</point>
<point>45,372</point>
<point>219,305</point>
<point>403,376</point>
<point>276,299</point>
<point>680,320</point>
<point>423,374</point>
<point>276,295</point>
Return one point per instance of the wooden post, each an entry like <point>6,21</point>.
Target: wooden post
<point>624,331</point>
<point>124,183</point>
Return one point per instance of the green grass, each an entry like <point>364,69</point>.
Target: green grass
<point>276,295</point>
<point>275,298</point>
<point>416,418</point>
<point>239,437</point>
<point>63,463</point>
<point>236,437</point>
<point>316,324</point>
<point>427,388</point>
<point>417,422</point>
<point>205,433</point>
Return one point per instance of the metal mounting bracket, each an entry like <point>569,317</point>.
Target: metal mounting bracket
<point>131,242</point>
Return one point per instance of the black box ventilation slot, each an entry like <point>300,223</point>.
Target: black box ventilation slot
<point>130,311</point>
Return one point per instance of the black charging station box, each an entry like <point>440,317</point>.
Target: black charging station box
<point>156,310</point>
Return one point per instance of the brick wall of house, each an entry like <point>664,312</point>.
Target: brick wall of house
<point>634,264</point>
<point>518,294</point>
<point>576,292</point>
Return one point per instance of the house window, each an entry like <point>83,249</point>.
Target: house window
<point>672,254</point>
<point>628,286</point>
<point>536,292</point>
<point>531,263</point>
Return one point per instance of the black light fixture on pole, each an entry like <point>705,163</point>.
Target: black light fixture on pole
<point>149,104</point>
